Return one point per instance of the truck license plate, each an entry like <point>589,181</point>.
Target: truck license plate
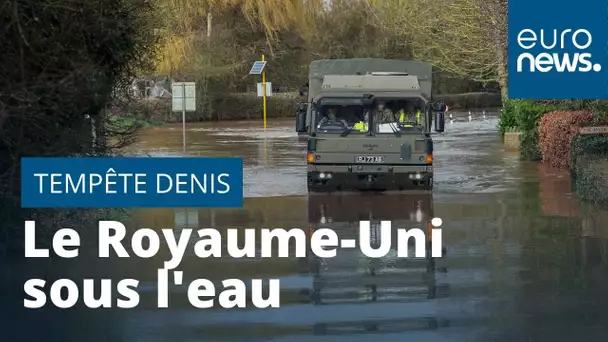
<point>369,159</point>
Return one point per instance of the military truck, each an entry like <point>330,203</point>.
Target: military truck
<point>388,154</point>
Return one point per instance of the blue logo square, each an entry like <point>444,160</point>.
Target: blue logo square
<point>558,50</point>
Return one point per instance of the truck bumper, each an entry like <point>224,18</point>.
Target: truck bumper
<point>379,177</point>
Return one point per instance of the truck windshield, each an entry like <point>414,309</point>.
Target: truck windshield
<point>398,116</point>
<point>341,119</point>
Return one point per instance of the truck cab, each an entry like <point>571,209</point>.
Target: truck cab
<point>371,130</point>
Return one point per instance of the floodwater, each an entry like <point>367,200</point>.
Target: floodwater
<point>523,259</point>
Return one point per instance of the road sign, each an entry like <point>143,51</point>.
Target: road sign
<point>184,100</point>
<point>257,68</point>
<point>184,96</point>
<point>594,130</point>
<point>261,89</point>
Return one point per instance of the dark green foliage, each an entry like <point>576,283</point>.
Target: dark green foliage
<point>524,115</point>
<point>62,62</point>
<point>590,167</point>
<point>507,117</point>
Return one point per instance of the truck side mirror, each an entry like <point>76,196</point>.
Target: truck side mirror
<point>440,117</point>
<point>440,107</point>
<point>301,117</point>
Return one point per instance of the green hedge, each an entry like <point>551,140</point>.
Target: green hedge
<point>216,107</point>
<point>524,115</point>
<point>590,167</point>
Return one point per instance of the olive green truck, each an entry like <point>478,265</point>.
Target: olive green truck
<point>368,125</point>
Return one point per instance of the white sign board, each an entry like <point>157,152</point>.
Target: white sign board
<point>268,89</point>
<point>184,94</point>
<point>594,130</point>
<point>186,218</point>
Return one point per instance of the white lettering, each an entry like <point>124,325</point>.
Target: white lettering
<point>64,293</point>
<point>226,185</point>
<point>201,288</point>
<point>137,243</point>
<point>55,182</point>
<point>365,240</point>
<point>106,239</point>
<point>549,61</point>
<point>403,237</point>
<point>66,237</point>
<point>34,288</point>
<point>177,249</point>
<point>139,182</point>
<point>30,242</point>
<point>110,174</point>
<point>521,39</point>
<point>94,181</point>
<point>248,250</point>
<point>234,294</point>
<point>210,245</point>
<point>72,293</point>
<point>75,188</point>
<point>283,238</point>
<point>178,182</point>
<point>125,181</point>
<point>41,181</point>
<point>589,39</point>
<point>317,242</point>
<point>158,188</point>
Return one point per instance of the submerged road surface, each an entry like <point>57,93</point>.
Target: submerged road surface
<point>524,260</point>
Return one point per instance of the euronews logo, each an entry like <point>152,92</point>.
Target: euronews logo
<point>565,51</point>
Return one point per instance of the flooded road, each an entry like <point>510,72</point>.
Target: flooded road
<point>524,260</point>
<point>468,156</point>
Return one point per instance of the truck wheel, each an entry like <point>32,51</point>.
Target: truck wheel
<point>429,184</point>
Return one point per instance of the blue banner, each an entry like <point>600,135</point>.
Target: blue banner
<point>558,50</point>
<point>139,182</point>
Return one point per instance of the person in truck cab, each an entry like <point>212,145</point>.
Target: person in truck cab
<point>382,114</point>
<point>362,125</point>
<point>332,117</point>
<point>409,115</point>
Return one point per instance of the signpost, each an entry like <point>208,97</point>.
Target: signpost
<point>257,69</point>
<point>599,129</point>
<point>184,100</point>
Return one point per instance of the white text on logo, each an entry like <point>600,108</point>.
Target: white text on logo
<point>551,60</point>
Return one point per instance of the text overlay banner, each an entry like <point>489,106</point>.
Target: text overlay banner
<point>131,182</point>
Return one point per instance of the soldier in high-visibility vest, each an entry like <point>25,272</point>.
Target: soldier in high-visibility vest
<point>362,125</point>
<point>406,115</point>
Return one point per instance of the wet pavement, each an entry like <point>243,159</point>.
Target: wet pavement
<point>524,259</point>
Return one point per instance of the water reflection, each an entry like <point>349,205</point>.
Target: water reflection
<point>512,272</point>
<point>352,277</point>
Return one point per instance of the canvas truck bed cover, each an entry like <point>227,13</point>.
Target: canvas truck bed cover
<point>322,67</point>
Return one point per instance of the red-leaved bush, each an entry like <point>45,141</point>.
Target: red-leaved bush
<point>555,133</point>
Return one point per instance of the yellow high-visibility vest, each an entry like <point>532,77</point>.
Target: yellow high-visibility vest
<point>360,126</point>
<point>402,117</point>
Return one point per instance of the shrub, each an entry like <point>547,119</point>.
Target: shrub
<point>589,167</point>
<point>507,119</point>
<point>527,115</point>
<point>61,63</point>
<point>557,129</point>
